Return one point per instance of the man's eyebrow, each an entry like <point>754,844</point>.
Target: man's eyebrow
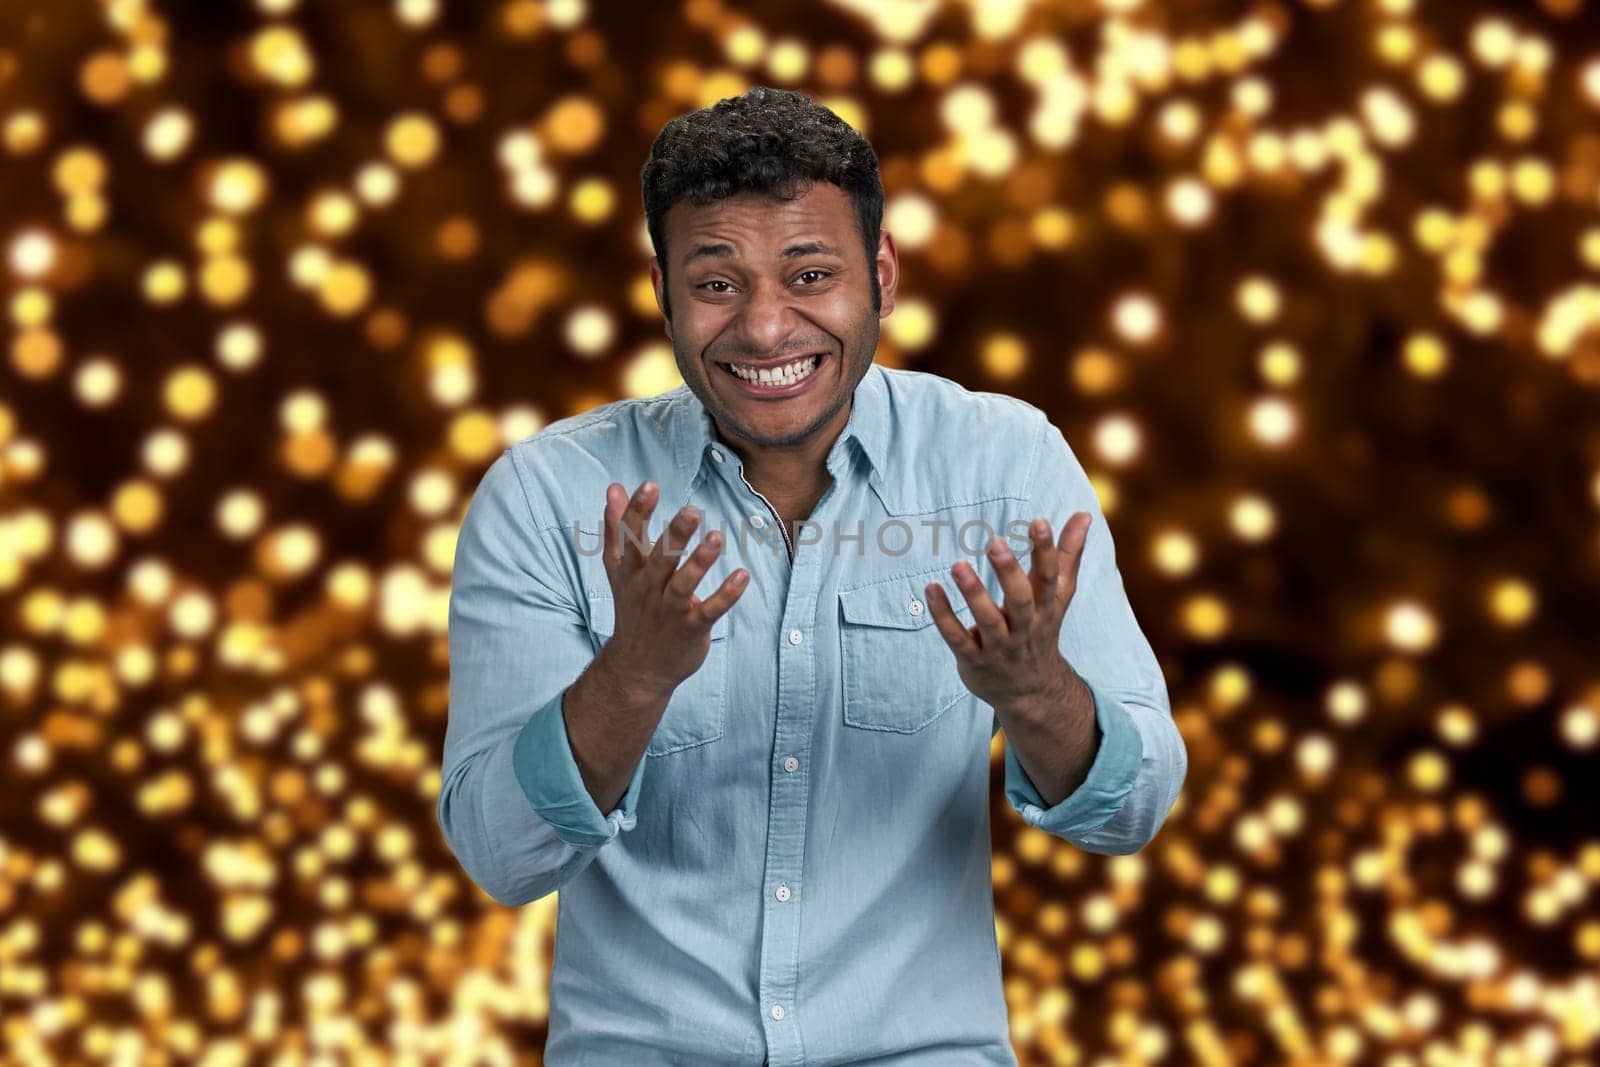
<point>707,252</point>
<point>809,248</point>
<point>725,251</point>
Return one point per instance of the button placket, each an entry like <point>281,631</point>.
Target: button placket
<point>787,544</point>
<point>786,838</point>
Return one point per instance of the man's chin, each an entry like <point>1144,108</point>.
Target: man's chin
<point>791,433</point>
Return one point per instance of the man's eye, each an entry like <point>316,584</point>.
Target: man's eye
<point>823,273</point>
<point>714,281</point>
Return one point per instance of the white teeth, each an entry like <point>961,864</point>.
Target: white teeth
<point>787,375</point>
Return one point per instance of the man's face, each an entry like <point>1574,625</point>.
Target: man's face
<point>761,283</point>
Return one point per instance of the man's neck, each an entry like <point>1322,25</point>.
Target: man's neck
<point>792,478</point>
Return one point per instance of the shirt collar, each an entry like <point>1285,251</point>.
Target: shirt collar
<point>867,426</point>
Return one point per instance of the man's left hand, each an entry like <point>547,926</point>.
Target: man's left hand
<point>1011,659</point>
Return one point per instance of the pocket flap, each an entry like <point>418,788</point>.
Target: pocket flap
<point>603,618</point>
<point>899,603</point>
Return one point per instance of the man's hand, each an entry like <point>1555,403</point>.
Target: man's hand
<point>662,636</point>
<point>1012,657</point>
<point>663,631</point>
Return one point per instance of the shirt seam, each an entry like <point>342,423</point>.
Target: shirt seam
<point>537,537</point>
<point>587,418</point>
<point>1031,490</point>
<point>940,570</point>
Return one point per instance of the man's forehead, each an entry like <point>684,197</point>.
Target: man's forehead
<point>749,218</point>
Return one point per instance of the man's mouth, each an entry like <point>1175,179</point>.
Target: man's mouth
<point>790,372</point>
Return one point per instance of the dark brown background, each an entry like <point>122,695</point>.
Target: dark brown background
<point>224,578</point>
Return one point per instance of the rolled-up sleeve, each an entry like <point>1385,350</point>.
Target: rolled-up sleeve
<point>512,805</point>
<point>548,773</point>
<point>1111,777</point>
<point>1141,762</point>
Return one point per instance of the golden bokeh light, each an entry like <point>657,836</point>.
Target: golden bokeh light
<point>1311,290</point>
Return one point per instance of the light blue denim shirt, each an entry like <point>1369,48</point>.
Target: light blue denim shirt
<point>799,871</point>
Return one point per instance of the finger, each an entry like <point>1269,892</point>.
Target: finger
<point>631,530</point>
<point>1074,535</point>
<point>668,549</point>
<point>717,604</point>
<point>1046,565</point>
<point>991,624</point>
<point>951,628</point>
<point>1015,585</point>
<point>686,579</point>
<point>616,502</point>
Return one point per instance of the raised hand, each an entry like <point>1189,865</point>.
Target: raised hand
<point>663,631</point>
<point>1013,653</point>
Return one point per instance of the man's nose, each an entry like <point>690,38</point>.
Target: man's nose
<point>768,319</point>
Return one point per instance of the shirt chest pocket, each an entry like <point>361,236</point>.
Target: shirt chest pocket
<point>696,714</point>
<point>898,672</point>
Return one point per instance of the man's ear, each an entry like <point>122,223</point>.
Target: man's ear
<point>888,267</point>
<point>658,285</point>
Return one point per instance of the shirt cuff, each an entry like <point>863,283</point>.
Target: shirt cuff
<point>547,771</point>
<point>1101,794</point>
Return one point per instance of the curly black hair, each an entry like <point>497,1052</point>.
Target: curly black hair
<point>771,141</point>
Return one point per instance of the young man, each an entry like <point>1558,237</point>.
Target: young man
<point>758,769</point>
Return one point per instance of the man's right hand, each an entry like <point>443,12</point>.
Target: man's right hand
<point>663,631</point>
<point>662,634</point>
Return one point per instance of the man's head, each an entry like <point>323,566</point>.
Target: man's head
<point>765,212</point>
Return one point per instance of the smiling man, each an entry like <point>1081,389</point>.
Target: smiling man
<point>757,766</point>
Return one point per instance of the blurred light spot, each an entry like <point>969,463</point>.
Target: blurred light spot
<point>1409,626</point>
<point>33,253</point>
<point>412,140</point>
<point>592,200</point>
<point>912,324</point>
<point>1175,553</point>
<point>1117,439</point>
<point>1272,421</point>
<point>1346,703</point>
<point>911,218</point>
<point>1004,356</point>
<point>1512,602</point>
<point>1136,317</point>
<point>653,371</point>
<point>1205,617</point>
<point>589,330</point>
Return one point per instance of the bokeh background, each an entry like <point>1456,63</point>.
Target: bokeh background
<point>1311,288</point>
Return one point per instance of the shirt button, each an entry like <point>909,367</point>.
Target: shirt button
<point>758,522</point>
<point>794,637</point>
<point>716,454</point>
<point>777,1011</point>
<point>915,607</point>
<point>790,763</point>
<point>782,892</point>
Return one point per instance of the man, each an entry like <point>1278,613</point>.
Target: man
<point>758,769</point>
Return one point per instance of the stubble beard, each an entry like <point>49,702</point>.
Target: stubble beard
<point>865,340</point>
